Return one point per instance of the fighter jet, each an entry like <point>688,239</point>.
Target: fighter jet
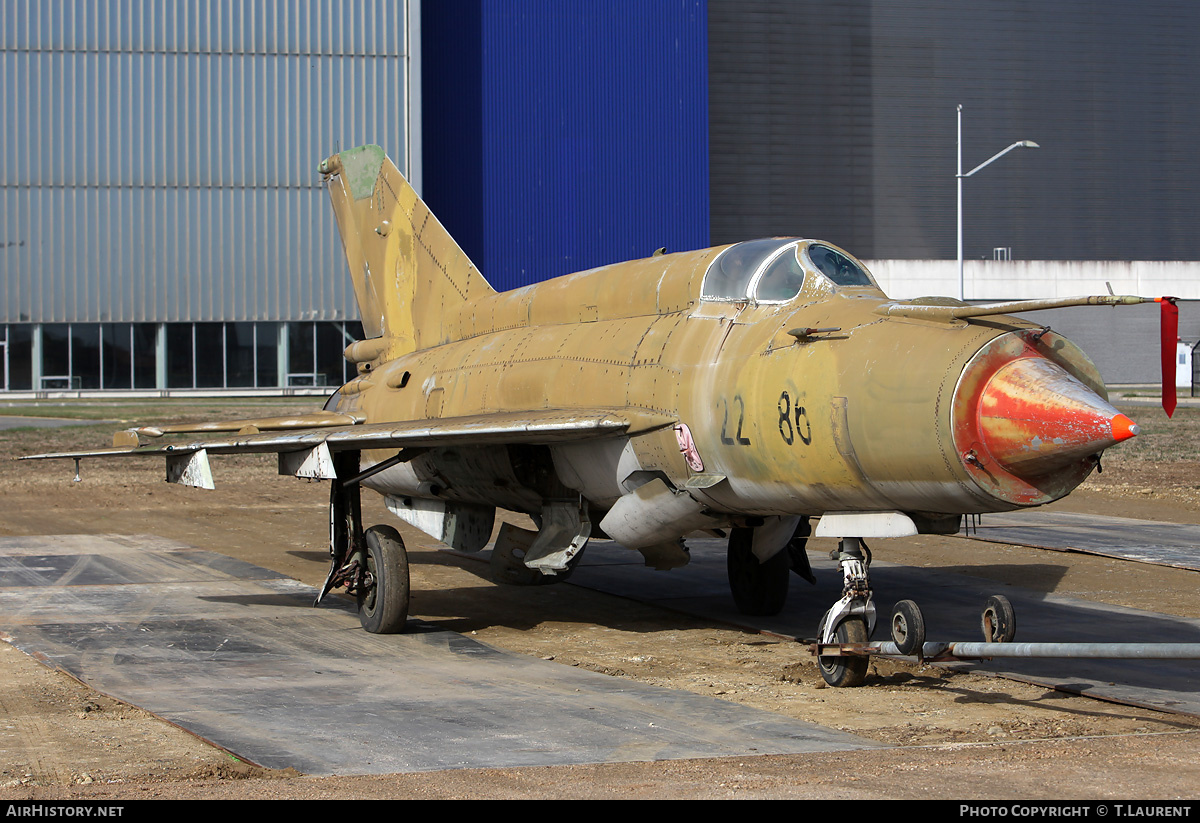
<point>739,391</point>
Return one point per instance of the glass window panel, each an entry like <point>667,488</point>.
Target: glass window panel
<point>239,354</point>
<point>20,357</point>
<point>85,355</point>
<point>837,267</point>
<point>268,354</point>
<point>210,356</point>
<point>145,355</point>
<point>118,355</point>
<point>300,354</point>
<point>782,279</point>
<point>331,343</point>
<point>179,355</point>
<point>56,356</point>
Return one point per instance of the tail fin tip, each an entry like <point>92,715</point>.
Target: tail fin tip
<point>358,166</point>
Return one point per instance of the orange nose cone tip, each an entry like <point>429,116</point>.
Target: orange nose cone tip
<point>1035,418</point>
<point>1123,428</point>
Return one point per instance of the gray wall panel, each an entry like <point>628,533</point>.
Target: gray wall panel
<point>790,120</point>
<point>837,120</point>
<point>171,254</point>
<point>162,156</point>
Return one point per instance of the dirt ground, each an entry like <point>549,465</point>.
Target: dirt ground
<point>955,735</point>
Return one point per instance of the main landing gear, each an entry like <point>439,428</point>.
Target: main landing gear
<point>761,587</point>
<point>371,565</point>
<point>382,591</point>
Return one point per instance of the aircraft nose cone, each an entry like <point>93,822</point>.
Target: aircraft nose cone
<point>1124,428</point>
<point>1035,417</point>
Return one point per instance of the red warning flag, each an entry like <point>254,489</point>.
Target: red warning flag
<point>1169,338</point>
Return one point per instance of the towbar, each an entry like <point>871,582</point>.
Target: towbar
<point>982,651</point>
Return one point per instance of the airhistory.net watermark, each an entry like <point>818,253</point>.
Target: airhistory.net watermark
<point>49,810</point>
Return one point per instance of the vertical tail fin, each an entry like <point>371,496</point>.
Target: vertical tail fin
<point>406,268</point>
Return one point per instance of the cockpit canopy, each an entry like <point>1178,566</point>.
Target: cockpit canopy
<point>773,270</point>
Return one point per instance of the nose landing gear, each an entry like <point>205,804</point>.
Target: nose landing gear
<point>852,619</point>
<point>843,653</point>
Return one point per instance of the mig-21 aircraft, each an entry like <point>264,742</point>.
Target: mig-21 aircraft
<point>738,391</point>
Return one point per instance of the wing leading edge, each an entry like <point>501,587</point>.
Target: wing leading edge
<point>306,452</point>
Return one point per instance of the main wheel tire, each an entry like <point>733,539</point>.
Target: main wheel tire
<point>999,620</point>
<point>908,627</point>
<point>383,608</point>
<point>758,588</point>
<point>846,672</point>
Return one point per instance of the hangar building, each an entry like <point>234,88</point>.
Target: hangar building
<point>164,228</point>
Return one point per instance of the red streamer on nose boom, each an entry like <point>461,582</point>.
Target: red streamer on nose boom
<point>1169,336</point>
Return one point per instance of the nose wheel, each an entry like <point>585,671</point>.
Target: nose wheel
<point>845,671</point>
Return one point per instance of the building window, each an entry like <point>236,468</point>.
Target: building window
<point>266,357</point>
<point>18,350</point>
<point>315,353</point>
<point>116,353</point>
<point>197,355</point>
<point>86,354</point>
<point>208,340</point>
<point>145,355</point>
<point>179,356</point>
<point>239,355</point>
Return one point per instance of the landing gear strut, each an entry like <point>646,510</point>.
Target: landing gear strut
<point>372,565</point>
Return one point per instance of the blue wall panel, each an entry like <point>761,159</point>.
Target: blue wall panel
<point>560,137</point>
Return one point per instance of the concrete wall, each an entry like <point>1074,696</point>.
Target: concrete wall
<point>1122,341</point>
<point>1027,279</point>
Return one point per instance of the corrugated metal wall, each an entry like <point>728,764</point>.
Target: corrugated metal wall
<point>160,158</point>
<point>837,120</point>
<point>790,125</point>
<point>563,136</point>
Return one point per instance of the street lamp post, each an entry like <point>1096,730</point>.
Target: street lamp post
<point>1020,144</point>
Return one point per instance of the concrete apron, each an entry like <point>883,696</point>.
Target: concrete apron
<point>952,605</point>
<point>237,655</point>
